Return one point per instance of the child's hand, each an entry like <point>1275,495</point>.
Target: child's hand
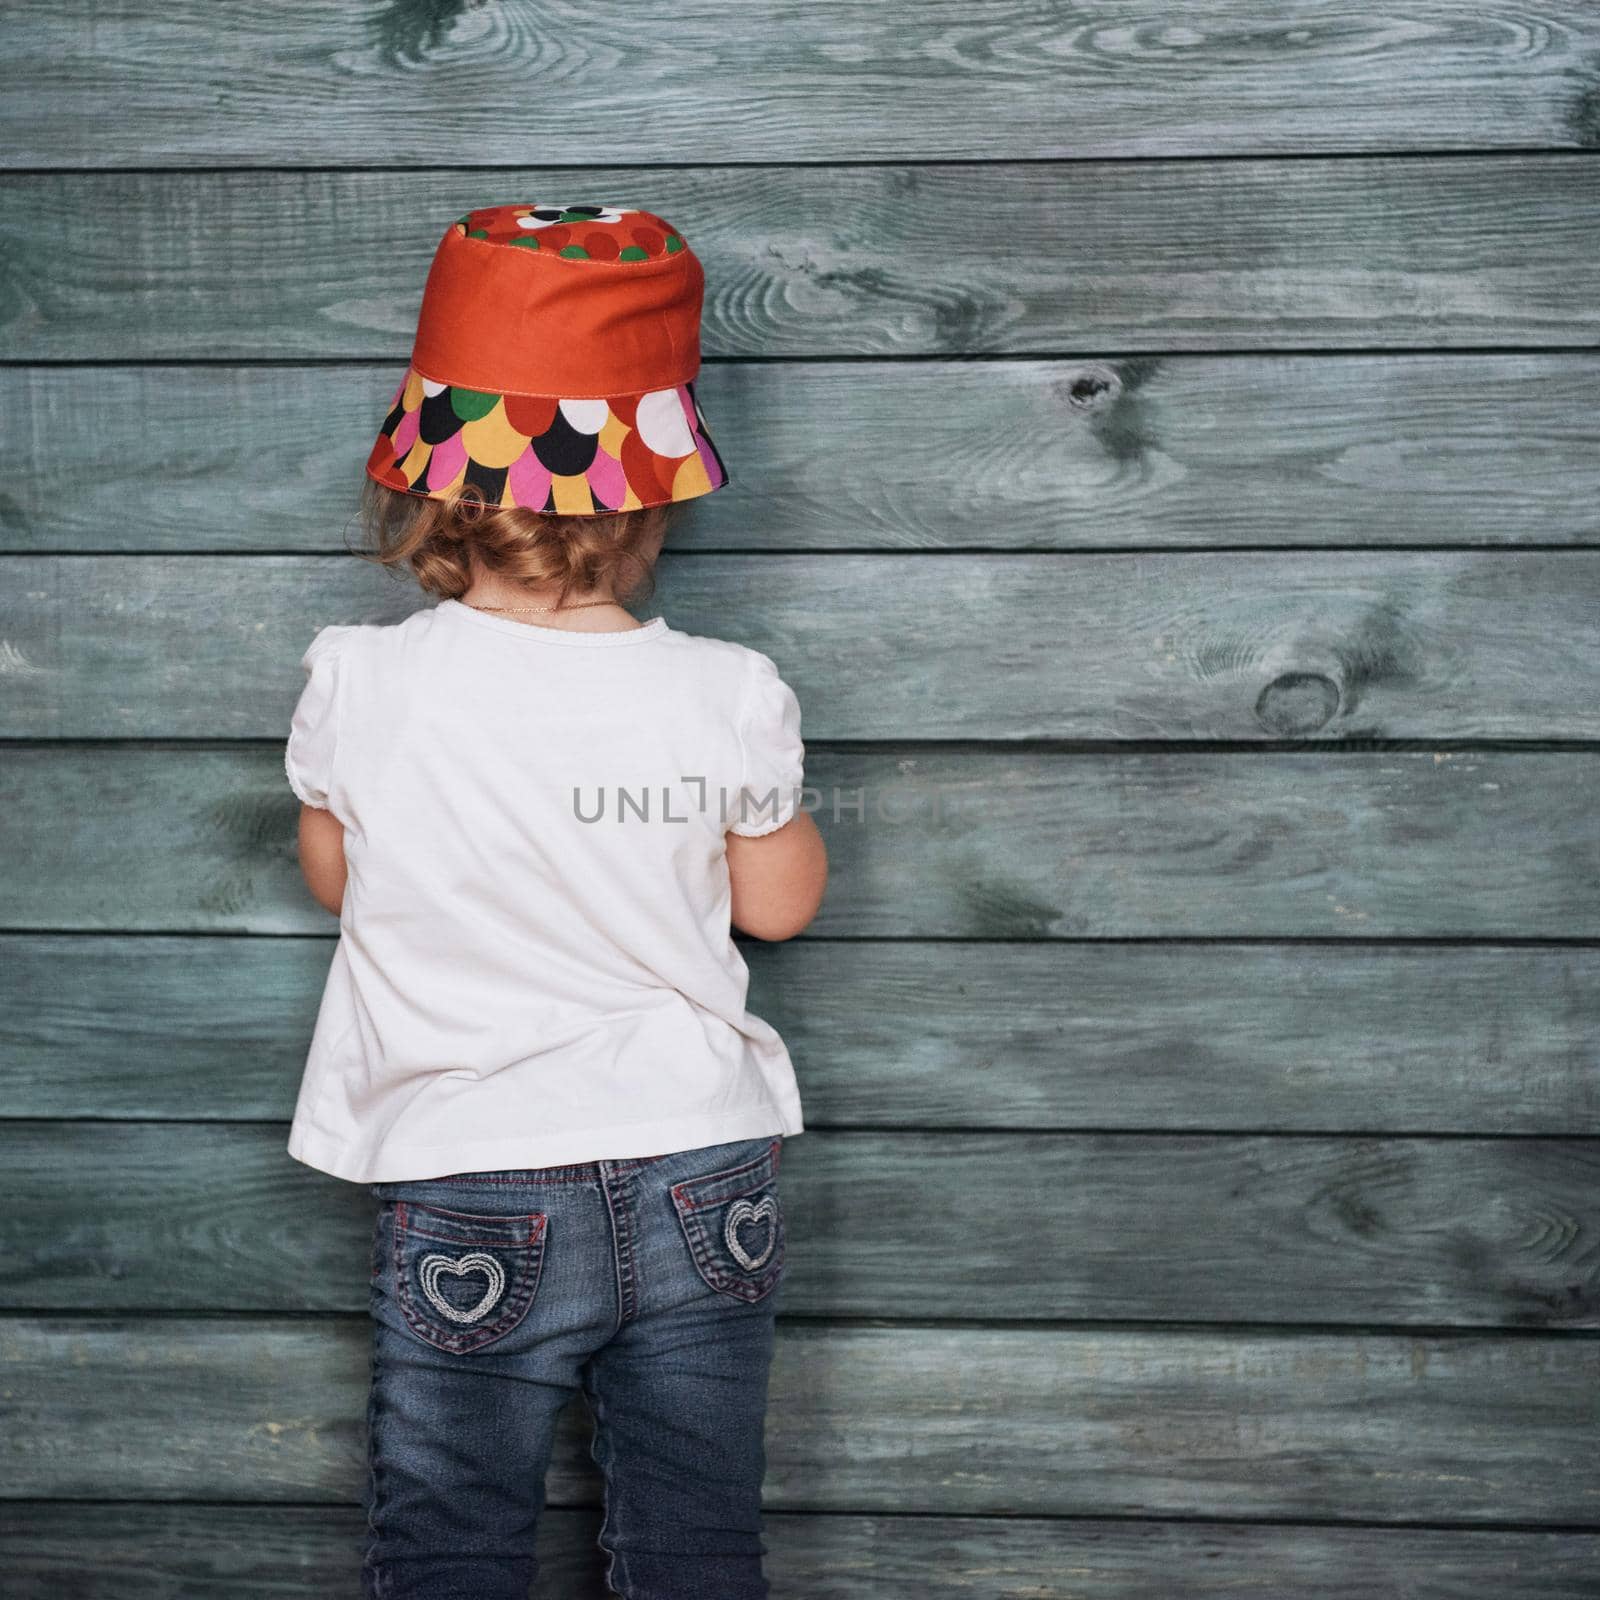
<point>778,878</point>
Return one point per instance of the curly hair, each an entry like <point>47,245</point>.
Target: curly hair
<point>436,539</point>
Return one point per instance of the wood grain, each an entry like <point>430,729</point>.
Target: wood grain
<point>88,84</point>
<point>1276,645</point>
<point>1132,1254</point>
<point>175,1552</point>
<point>1100,1227</point>
<point>1159,452</point>
<point>1049,1036</point>
<point>1473,1428</point>
<point>924,842</point>
<point>1443,252</point>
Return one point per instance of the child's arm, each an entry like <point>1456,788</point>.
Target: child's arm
<point>777,872</point>
<point>322,856</point>
<point>309,761</point>
<point>778,878</point>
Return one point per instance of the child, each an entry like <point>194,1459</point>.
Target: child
<point>538,819</point>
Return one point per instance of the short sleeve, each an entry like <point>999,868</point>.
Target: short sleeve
<point>774,757</point>
<point>314,731</point>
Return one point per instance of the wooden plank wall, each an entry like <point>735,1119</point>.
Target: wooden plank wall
<point>1164,458</point>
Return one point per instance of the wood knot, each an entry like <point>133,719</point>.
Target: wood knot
<point>1092,388</point>
<point>1297,703</point>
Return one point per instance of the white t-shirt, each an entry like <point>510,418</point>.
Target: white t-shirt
<point>535,963</point>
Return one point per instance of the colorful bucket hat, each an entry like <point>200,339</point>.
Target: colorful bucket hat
<point>554,366</point>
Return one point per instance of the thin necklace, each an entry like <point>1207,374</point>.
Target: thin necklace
<point>580,606</point>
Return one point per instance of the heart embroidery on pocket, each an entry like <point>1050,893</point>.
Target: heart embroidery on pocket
<point>742,1212</point>
<point>432,1266</point>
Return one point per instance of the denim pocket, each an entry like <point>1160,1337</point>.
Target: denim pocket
<point>462,1280</point>
<point>733,1222</point>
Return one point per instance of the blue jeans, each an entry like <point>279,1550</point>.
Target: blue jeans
<point>649,1284</point>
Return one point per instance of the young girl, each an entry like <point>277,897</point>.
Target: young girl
<point>538,819</point>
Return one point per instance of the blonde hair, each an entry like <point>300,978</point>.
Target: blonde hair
<point>435,538</point>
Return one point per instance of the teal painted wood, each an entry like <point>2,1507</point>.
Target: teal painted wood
<point>924,842</point>
<point>1469,1428</point>
<point>1164,452</point>
<point>1055,1035</point>
<point>1264,645</point>
<point>169,1552</point>
<point>1447,252</point>
<point>1098,1435</point>
<point>852,82</point>
<point>1031,1227</point>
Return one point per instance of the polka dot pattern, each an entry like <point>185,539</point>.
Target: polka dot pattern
<point>581,456</point>
<point>577,232</point>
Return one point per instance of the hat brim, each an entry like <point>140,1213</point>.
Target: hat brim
<point>577,457</point>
